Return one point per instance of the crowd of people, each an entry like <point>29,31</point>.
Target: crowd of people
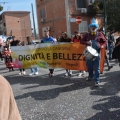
<point>94,38</point>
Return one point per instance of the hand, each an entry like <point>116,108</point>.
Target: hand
<point>89,43</point>
<point>102,46</point>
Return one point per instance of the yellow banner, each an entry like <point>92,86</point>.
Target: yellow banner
<point>52,55</point>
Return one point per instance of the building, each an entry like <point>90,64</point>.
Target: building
<point>16,23</point>
<point>60,15</point>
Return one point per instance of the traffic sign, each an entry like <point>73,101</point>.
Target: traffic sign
<point>78,19</point>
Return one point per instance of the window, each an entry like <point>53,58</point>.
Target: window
<point>42,13</point>
<point>81,4</point>
<point>83,26</point>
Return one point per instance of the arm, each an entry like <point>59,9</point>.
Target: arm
<point>85,40</point>
<point>102,41</point>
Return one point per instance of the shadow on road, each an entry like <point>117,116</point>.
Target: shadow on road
<point>109,106</point>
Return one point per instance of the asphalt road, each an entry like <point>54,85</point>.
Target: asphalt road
<point>66,98</point>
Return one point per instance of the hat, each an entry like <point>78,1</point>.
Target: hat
<point>94,23</point>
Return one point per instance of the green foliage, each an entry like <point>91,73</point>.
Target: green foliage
<point>96,7</point>
<point>1,8</point>
<point>113,14</point>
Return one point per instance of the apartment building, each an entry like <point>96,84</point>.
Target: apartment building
<point>16,23</point>
<point>59,16</point>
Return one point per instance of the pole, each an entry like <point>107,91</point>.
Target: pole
<point>33,21</point>
<point>105,19</point>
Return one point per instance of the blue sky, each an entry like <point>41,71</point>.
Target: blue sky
<point>20,5</point>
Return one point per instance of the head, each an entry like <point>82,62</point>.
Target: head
<point>19,42</point>
<point>64,35</point>
<point>77,34</point>
<point>93,26</point>
<point>112,30</point>
<point>46,33</point>
<point>13,37</point>
<point>5,48</point>
<point>23,43</point>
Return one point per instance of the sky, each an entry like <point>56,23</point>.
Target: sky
<point>20,5</point>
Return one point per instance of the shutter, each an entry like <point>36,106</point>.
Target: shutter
<point>83,26</point>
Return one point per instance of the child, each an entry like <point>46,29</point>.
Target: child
<point>8,61</point>
<point>22,70</point>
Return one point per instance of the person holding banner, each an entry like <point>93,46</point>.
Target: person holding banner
<point>77,38</point>
<point>22,70</point>
<point>48,39</point>
<point>34,70</point>
<point>65,38</point>
<point>97,41</point>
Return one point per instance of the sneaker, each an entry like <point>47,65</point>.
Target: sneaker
<point>84,72</point>
<point>36,73</point>
<point>70,73</point>
<point>89,79</point>
<point>31,74</point>
<point>80,74</point>
<point>20,73</point>
<point>96,84</point>
<point>110,67</point>
<point>66,74</point>
<point>23,72</point>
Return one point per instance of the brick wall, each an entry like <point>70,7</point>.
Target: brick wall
<point>19,23</point>
<point>56,16</point>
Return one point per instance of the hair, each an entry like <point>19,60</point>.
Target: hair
<point>66,36</point>
<point>29,40</point>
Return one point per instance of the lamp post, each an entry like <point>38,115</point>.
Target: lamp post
<point>105,19</point>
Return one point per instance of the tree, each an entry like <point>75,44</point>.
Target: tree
<point>95,8</point>
<point>1,8</point>
<point>113,14</point>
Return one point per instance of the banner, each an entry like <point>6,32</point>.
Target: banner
<point>52,55</point>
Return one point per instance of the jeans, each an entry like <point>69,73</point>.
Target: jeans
<point>110,48</point>
<point>94,66</point>
<point>34,70</point>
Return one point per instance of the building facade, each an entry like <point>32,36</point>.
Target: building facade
<point>16,23</point>
<point>60,15</point>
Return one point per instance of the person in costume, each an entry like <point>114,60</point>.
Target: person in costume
<point>8,62</point>
<point>97,41</point>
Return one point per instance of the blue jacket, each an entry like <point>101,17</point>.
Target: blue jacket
<point>47,40</point>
